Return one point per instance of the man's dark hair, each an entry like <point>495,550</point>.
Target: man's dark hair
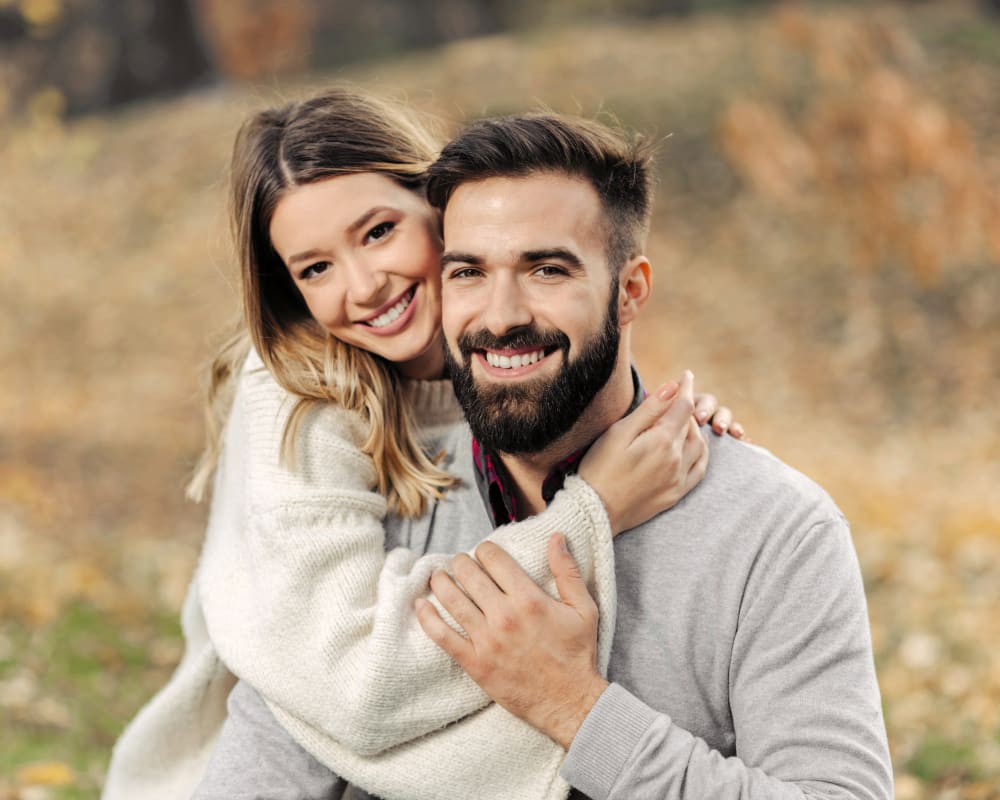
<point>618,166</point>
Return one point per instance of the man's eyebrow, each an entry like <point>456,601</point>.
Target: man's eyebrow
<point>454,257</point>
<point>553,254</point>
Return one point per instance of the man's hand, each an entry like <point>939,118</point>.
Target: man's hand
<point>534,655</point>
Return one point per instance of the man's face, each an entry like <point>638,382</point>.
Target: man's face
<point>529,306</point>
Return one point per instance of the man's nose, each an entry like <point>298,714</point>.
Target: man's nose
<point>506,308</point>
<point>366,282</point>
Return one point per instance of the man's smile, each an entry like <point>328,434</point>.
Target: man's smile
<point>514,362</point>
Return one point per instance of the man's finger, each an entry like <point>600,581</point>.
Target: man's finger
<point>504,570</point>
<point>476,583</point>
<point>456,602</point>
<point>572,589</point>
<point>440,632</point>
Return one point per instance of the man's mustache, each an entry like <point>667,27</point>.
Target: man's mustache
<point>528,336</point>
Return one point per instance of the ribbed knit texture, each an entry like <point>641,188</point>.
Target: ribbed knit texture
<point>296,595</point>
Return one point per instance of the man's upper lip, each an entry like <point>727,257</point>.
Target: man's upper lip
<point>385,306</point>
<point>512,351</point>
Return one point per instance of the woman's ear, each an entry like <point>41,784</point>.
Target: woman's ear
<point>635,281</point>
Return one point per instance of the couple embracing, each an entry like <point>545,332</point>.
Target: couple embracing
<point>435,359</point>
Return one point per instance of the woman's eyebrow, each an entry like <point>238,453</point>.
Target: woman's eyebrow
<point>354,227</point>
<point>305,255</point>
<point>364,219</point>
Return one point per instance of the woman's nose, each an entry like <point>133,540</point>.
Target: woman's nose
<point>367,283</point>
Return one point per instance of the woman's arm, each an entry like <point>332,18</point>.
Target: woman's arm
<point>303,602</point>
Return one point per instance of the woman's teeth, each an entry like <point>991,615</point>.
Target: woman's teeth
<point>509,362</point>
<point>393,313</point>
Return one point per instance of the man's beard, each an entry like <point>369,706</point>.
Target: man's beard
<point>528,416</point>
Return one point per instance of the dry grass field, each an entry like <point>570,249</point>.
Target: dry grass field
<point>827,256</point>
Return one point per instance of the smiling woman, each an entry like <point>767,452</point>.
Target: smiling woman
<point>364,252</point>
<point>331,403</point>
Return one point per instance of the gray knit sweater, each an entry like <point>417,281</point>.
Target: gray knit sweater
<point>741,667</point>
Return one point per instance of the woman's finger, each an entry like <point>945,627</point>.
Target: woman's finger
<point>705,405</point>
<point>722,420</point>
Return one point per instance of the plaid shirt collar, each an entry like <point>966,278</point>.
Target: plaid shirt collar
<point>496,487</point>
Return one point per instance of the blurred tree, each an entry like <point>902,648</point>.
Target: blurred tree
<point>97,54</point>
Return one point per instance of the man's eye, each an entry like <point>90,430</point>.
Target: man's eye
<point>465,272</point>
<point>314,270</point>
<point>381,230</point>
<point>550,271</point>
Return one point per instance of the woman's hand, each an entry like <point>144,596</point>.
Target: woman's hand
<point>707,409</point>
<point>646,462</point>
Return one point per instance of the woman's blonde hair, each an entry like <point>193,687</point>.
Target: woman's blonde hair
<point>340,132</point>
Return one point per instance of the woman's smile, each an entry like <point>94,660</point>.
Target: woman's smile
<point>365,253</point>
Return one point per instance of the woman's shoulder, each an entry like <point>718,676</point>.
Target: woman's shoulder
<point>267,406</point>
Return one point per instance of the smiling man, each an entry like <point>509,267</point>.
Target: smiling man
<point>742,663</point>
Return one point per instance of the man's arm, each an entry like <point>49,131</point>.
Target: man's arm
<point>804,700</point>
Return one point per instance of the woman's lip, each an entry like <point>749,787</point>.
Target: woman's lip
<point>386,306</point>
<point>401,321</point>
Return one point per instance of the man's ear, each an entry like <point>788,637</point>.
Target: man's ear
<point>635,281</point>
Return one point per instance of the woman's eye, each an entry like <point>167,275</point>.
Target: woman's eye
<point>381,230</point>
<point>314,270</point>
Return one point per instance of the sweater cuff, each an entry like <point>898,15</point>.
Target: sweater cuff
<point>606,741</point>
<point>589,502</point>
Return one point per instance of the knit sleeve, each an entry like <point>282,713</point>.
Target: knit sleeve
<point>304,603</point>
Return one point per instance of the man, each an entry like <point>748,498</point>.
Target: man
<point>741,665</point>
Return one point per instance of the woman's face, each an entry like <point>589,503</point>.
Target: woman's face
<point>366,254</point>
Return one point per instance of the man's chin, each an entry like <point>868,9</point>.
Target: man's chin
<point>511,393</point>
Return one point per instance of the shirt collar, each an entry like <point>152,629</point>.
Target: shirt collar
<point>496,487</point>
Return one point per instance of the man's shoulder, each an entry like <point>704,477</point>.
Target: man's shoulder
<point>752,471</point>
<point>749,494</point>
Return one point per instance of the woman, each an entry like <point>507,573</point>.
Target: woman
<point>295,592</point>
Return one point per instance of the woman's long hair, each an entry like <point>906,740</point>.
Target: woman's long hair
<point>340,132</point>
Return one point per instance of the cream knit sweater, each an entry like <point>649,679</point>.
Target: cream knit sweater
<point>296,594</point>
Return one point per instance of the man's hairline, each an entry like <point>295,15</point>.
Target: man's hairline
<point>531,172</point>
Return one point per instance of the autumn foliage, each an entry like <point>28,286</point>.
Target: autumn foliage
<point>826,255</point>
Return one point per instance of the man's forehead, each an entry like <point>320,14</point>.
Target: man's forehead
<point>530,207</point>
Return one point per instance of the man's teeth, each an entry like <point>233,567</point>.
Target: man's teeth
<point>509,362</point>
<point>392,314</point>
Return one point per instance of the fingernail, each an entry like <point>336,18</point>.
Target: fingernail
<point>702,416</point>
<point>562,544</point>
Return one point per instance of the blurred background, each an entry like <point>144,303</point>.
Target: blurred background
<point>827,260</point>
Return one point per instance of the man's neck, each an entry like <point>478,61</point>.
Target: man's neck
<point>528,471</point>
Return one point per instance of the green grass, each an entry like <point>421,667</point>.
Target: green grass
<point>100,667</point>
<point>940,759</point>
